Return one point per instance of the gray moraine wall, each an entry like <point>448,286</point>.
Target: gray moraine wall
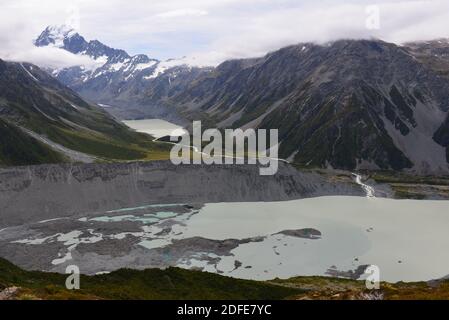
<point>35,193</point>
<point>52,216</point>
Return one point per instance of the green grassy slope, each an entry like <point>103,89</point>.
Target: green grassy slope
<point>180,284</point>
<point>326,288</point>
<point>17,148</point>
<point>172,284</point>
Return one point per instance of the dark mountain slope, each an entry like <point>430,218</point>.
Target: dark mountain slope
<point>434,54</point>
<point>44,108</point>
<point>352,104</point>
<point>348,104</point>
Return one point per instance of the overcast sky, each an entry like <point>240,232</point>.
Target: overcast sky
<point>212,30</point>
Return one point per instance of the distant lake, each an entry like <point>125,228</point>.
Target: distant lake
<point>156,127</point>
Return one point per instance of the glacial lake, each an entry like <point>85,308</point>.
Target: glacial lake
<point>156,127</point>
<point>407,239</point>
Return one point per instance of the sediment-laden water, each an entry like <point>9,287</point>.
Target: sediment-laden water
<point>335,235</point>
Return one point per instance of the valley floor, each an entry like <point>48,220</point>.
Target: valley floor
<point>106,217</point>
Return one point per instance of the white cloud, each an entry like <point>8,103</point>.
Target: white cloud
<point>213,31</point>
<point>182,13</point>
<point>400,21</point>
<point>18,29</point>
<point>50,57</point>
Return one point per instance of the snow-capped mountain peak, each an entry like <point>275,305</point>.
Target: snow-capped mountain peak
<point>55,36</point>
<point>113,75</point>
